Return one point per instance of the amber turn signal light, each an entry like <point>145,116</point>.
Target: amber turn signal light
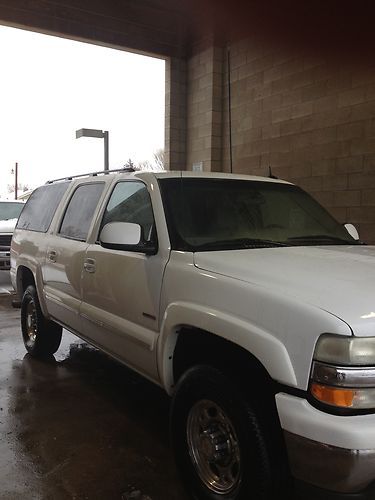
<point>336,396</point>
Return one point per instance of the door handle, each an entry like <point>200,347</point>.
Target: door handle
<point>52,255</point>
<point>89,265</point>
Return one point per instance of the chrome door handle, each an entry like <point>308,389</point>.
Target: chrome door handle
<point>89,265</point>
<point>52,255</point>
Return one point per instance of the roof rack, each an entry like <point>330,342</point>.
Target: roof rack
<point>93,174</point>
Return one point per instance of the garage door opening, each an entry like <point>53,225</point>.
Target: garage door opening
<point>53,86</point>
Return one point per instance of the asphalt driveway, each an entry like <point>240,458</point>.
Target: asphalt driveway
<point>79,425</point>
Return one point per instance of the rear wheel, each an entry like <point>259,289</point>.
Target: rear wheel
<point>41,336</point>
<point>220,441</point>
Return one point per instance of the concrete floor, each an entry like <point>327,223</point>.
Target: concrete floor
<point>79,426</point>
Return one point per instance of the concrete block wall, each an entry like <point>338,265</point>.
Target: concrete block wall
<point>175,114</point>
<point>204,104</point>
<point>311,119</point>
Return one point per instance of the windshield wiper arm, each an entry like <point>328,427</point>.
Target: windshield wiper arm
<point>239,243</point>
<point>323,237</point>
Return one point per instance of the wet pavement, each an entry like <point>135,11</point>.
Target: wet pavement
<point>79,425</point>
<point>5,284</point>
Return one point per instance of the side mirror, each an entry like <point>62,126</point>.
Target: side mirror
<point>352,230</point>
<point>125,236</point>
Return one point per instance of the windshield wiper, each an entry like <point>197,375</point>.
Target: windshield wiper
<point>323,238</point>
<point>238,244</point>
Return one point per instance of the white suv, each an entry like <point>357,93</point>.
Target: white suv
<point>9,213</point>
<point>240,296</point>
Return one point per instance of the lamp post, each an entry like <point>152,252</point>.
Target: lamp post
<point>15,172</point>
<point>101,134</point>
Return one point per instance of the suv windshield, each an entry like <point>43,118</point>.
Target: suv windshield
<point>10,210</point>
<point>220,214</point>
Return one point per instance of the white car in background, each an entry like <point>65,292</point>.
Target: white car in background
<point>9,213</point>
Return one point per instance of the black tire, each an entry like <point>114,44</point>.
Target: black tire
<point>41,336</point>
<point>223,448</point>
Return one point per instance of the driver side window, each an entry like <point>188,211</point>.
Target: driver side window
<point>130,202</point>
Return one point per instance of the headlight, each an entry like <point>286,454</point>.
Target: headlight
<point>345,350</point>
<point>343,372</point>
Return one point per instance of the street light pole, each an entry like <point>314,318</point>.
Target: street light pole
<point>16,182</point>
<point>106,150</point>
<point>15,172</point>
<point>101,134</point>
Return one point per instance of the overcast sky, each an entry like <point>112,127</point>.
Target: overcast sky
<point>50,87</point>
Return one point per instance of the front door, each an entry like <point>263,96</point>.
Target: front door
<point>121,289</point>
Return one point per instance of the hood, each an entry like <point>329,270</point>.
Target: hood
<point>7,226</point>
<point>337,279</point>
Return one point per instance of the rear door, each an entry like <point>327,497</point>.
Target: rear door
<point>66,254</point>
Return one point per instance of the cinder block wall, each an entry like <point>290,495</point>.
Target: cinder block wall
<point>175,114</point>
<point>204,104</point>
<point>311,118</point>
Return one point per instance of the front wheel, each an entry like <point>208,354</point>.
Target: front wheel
<point>41,336</point>
<point>220,444</point>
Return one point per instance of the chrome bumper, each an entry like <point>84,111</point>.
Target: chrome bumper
<point>4,260</point>
<point>330,467</point>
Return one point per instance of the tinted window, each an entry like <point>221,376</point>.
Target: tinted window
<point>218,214</point>
<point>130,202</point>
<point>10,210</point>
<point>80,211</point>
<point>40,208</point>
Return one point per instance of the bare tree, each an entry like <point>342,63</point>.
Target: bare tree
<point>130,164</point>
<point>154,165</point>
<point>20,188</point>
<point>145,165</point>
<point>159,158</point>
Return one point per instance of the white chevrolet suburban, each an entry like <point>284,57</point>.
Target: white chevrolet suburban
<point>240,296</point>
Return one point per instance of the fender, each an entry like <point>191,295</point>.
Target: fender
<point>265,347</point>
<point>32,265</point>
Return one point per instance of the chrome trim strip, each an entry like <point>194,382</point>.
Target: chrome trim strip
<point>101,324</point>
<point>149,316</point>
<point>60,303</point>
<point>95,321</point>
<point>343,376</point>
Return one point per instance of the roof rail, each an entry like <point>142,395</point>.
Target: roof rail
<point>93,174</point>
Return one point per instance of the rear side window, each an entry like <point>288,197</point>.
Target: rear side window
<point>40,208</point>
<point>80,211</point>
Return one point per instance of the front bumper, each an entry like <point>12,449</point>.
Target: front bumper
<point>328,452</point>
<point>4,260</point>
<point>329,467</point>
<point>306,491</point>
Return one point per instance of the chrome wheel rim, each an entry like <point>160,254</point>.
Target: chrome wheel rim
<point>31,323</point>
<point>213,447</point>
